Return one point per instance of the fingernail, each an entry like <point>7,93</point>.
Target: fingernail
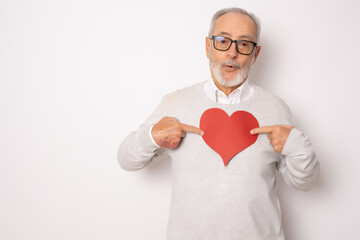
<point>252,131</point>
<point>202,133</point>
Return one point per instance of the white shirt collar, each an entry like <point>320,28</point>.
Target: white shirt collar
<point>242,93</point>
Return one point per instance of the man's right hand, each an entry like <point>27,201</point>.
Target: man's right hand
<point>168,132</point>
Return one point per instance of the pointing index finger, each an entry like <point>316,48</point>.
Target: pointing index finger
<point>266,129</point>
<point>189,128</point>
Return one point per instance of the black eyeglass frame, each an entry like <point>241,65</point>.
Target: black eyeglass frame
<point>236,44</point>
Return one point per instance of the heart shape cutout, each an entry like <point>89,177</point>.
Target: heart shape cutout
<point>228,135</point>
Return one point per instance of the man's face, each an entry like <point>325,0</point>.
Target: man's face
<point>230,68</point>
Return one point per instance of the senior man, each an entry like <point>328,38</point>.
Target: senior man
<point>215,194</point>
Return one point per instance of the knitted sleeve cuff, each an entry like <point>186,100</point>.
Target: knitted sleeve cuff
<point>152,139</point>
<point>145,143</point>
<point>296,142</point>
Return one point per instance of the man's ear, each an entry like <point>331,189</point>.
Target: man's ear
<point>257,52</point>
<point>207,43</point>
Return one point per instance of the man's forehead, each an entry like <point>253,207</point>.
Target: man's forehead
<point>235,25</point>
<point>227,34</point>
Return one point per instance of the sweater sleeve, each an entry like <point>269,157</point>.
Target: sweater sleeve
<point>298,164</point>
<point>138,149</point>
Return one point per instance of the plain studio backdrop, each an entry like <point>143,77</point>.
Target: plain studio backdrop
<point>77,76</point>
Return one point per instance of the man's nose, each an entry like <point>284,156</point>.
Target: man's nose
<point>232,52</point>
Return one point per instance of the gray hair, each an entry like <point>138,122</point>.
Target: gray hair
<point>235,10</point>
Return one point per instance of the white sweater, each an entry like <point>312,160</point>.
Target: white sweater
<point>211,201</point>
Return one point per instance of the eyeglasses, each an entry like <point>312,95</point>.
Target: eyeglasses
<point>242,46</point>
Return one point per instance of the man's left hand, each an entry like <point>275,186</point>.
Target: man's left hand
<point>277,134</point>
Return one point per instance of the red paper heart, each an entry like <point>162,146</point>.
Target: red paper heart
<point>228,135</point>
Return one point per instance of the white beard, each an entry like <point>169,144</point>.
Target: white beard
<point>236,81</point>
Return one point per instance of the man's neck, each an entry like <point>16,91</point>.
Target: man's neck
<point>227,90</point>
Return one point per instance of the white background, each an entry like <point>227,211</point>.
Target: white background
<point>77,76</point>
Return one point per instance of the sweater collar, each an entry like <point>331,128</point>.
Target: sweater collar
<point>242,93</point>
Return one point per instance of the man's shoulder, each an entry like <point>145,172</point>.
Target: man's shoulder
<point>267,96</point>
<point>267,100</point>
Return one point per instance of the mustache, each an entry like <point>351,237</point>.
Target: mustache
<point>232,63</point>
